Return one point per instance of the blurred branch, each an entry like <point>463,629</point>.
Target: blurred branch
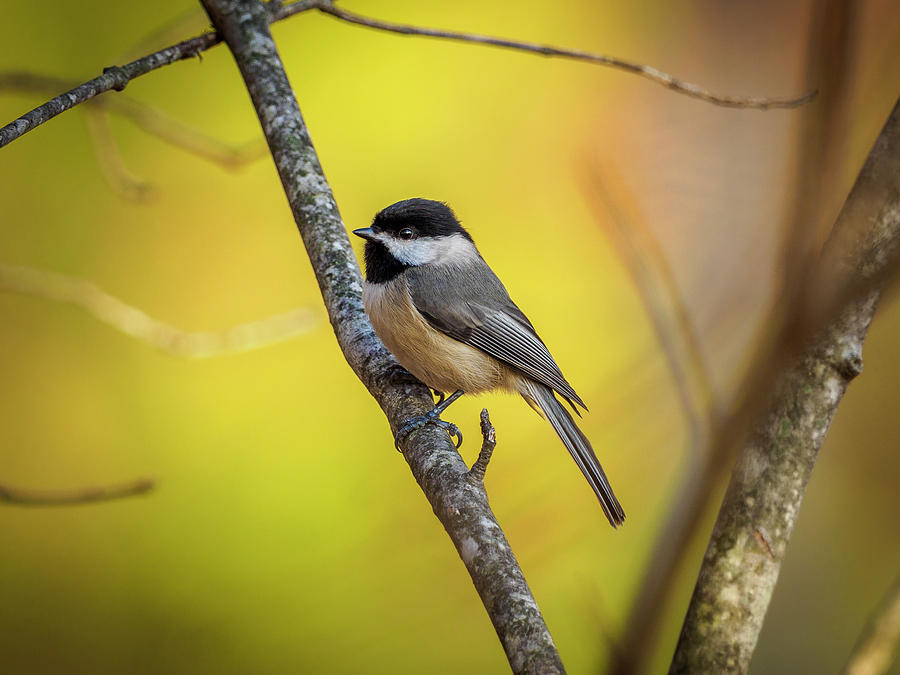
<point>617,212</point>
<point>103,493</point>
<point>875,652</point>
<point>117,175</point>
<point>652,74</point>
<point>132,321</point>
<point>117,77</point>
<point>797,316</point>
<point>147,118</point>
<point>763,499</point>
<point>459,503</point>
<point>191,20</point>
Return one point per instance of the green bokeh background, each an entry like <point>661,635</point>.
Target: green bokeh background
<point>286,534</point>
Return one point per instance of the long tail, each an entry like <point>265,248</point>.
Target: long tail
<point>578,445</point>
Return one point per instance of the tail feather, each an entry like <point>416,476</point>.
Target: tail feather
<point>579,447</point>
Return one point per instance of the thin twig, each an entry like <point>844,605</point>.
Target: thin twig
<point>877,646</point>
<point>488,443</point>
<point>132,321</point>
<point>652,74</point>
<point>146,117</point>
<point>618,213</point>
<point>460,504</point>
<point>117,77</point>
<point>88,495</point>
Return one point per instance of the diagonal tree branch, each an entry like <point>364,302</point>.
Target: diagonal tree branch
<point>757,517</point>
<point>459,503</point>
<point>117,77</point>
<point>791,323</point>
<point>147,118</point>
<point>875,652</point>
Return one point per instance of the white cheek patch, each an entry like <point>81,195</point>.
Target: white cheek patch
<point>455,249</point>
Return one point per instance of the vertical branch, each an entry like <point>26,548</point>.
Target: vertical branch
<point>763,499</point>
<point>790,325</point>
<point>459,503</point>
<point>655,282</point>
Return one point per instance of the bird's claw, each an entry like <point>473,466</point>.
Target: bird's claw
<point>428,418</point>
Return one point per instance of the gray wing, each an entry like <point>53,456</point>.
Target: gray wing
<point>474,307</point>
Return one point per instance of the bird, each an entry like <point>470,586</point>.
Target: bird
<point>448,319</point>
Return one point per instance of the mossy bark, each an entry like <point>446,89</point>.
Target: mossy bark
<point>459,503</point>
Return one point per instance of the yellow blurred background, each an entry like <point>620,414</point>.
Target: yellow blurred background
<point>286,534</point>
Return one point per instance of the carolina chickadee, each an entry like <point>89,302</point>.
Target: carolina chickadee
<point>448,320</point>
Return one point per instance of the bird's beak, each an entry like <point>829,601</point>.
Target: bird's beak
<point>365,233</point>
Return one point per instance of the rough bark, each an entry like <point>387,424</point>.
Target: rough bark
<point>750,537</point>
<point>459,503</point>
<point>116,77</point>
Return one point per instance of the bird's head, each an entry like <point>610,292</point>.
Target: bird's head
<point>415,232</point>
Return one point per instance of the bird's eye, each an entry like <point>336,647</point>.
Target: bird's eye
<point>405,233</point>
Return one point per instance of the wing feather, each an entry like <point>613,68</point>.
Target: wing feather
<point>493,323</point>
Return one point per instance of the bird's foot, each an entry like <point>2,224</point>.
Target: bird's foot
<point>431,417</point>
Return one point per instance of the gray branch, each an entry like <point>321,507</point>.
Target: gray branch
<point>763,499</point>
<point>117,77</point>
<point>459,503</point>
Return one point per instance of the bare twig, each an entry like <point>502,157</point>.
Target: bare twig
<point>147,118</point>
<point>89,495</point>
<point>488,443</point>
<point>460,504</point>
<point>134,322</point>
<point>652,74</point>
<point>876,649</point>
<point>117,77</point>
<point>617,212</point>
<point>763,498</point>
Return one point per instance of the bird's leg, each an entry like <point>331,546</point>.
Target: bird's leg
<point>432,417</point>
